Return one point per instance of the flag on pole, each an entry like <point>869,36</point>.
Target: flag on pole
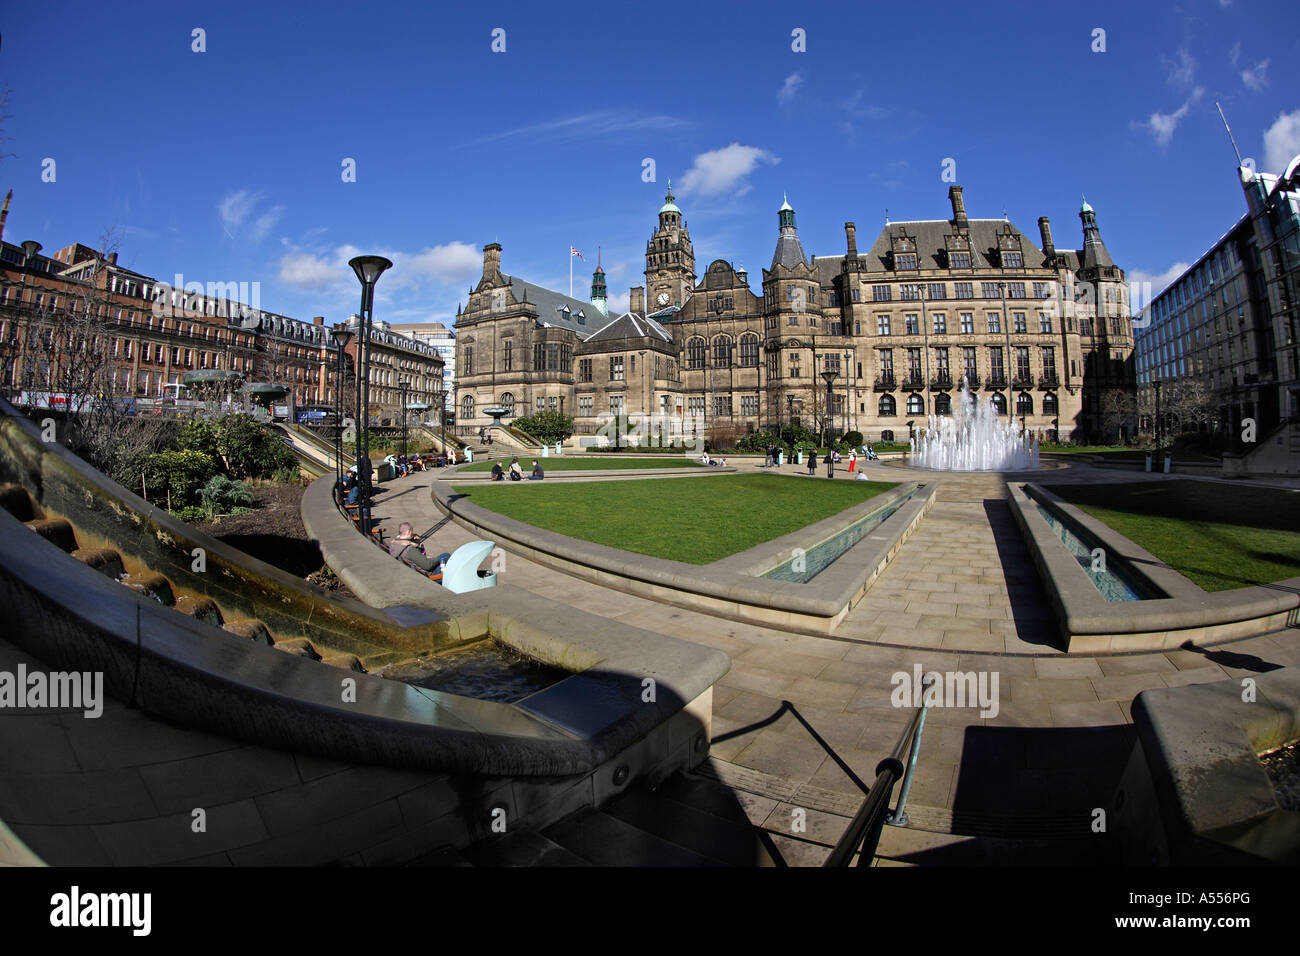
<point>574,252</point>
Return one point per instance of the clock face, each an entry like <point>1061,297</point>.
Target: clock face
<point>662,298</point>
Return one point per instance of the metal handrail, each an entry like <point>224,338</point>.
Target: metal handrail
<point>863,833</point>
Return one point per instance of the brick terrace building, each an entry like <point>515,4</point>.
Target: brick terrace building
<point>156,333</point>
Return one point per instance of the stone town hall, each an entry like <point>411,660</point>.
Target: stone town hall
<point>899,325</point>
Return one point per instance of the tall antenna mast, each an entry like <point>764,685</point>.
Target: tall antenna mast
<point>1229,129</point>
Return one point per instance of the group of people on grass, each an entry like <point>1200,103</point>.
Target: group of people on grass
<point>515,472</point>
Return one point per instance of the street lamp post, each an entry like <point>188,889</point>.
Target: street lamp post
<point>341,336</point>
<point>403,385</point>
<point>368,270</point>
<point>1157,383</point>
<point>830,375</point>
<point>848,387</point>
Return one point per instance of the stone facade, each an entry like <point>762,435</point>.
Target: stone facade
<point>1045,330</point>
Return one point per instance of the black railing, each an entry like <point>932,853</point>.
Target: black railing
<point>885,382</point>
<point>1048,381</point>
<point>863,833</point>
<point>996,380</point>
<point>915,380</point>
<point>1024,380</point>
<point>941,383</point>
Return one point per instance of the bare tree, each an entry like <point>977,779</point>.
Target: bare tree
<point>1119,409</point>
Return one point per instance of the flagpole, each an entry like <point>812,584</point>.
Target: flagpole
<point>570,271</point>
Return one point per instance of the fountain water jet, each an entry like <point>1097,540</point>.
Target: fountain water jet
<point>975,438</point>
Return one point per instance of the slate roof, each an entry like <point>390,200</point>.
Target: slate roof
<point>789,251</point>
<point>581,317</point>
<point>930,235</point>
<point>629,326</point>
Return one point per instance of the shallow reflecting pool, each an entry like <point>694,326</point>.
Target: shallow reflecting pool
<point>821,556</point>
<point>486,671</point>
<point>1114,584</point>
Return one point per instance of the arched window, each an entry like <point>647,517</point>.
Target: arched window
<point>1024,404</point>
<point>749,350</point>
<point>467,408</point>
<point>887,435</point>
<point>888,407</point>
<point>695,353</point>
<point>508,402</point>
<point>943,404</point>
<point>915,404</point>
<point>722,352</point>
<point>999,403</point>
<point>1049,405</point>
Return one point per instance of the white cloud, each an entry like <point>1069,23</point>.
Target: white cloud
<point>722,170</point>
<point>792,83</point>
<point>307,270</point>
<point>1182,68</point>
<point>1282,142</point>
<point>1256,77</point>
<point>264,223</point>
<point>1138,278</point>
<point>452,262</point>
<point>235,208</point>
<point>859,110</point>
<point>1234,54</point>
<point>585,125</point>
<point>618,302</point>
<point>1162,125</point>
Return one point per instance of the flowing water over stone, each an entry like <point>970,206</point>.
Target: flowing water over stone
<point>974,438</point>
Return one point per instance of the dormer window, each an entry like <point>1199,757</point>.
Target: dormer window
<point>1013,260</point>
<point>959,260</point>
<point>905,260</point>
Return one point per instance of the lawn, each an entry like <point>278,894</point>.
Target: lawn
<point>584,463</point>
<point>696,520</point>
<point>1220,536</point>
<point>1123,454</point>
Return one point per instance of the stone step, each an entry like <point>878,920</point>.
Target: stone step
<point>603,840</point>
<point>250,629</point>
<point>911,847</point>
<point>520,848</point>
<point>299,646</point>
<point>692,826</point>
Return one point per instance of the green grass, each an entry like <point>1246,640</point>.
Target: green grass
<point>696,520</point>
<point>1220,536</point>
<point>1117,453</point>
<point>583,463</point>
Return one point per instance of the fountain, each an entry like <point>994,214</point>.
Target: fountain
<point>975,438</point>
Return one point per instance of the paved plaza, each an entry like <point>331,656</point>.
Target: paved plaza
<point>803,720</point>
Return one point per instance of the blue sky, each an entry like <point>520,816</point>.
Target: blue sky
<point>226,165</point>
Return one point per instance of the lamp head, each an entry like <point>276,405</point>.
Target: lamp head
<point>341,335</point>
<point>30,248</point>
<point>369,268</point>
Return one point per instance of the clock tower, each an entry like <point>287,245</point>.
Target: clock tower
<point>669,259</point>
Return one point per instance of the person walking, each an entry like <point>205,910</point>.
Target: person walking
<point>853,461</point>
<point>812,462</point>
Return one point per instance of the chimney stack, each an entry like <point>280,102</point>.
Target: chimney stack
<point>636,300</point>
<point>491,260</point>
<point>4,214</point>
<point>958,206</point>
<point>1045,230</point>
<point>318,320</point>
<point>851,234</point>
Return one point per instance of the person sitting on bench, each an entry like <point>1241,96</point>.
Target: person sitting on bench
<point>516,473</point>
<point>351,487</point>
<point>406,548</point>
<point>537,474</point>
<point>497,473</point>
